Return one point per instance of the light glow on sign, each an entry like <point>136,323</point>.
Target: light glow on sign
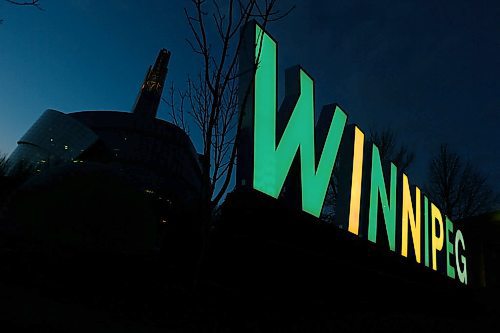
<point>462,273</point>
<point>449,249</point>
<point>437,241</point>
<point>272,161</point>
<point>368,190</point>
<point>412,219</point>
<point>389,209</point>
<point>357,174</point>
<point>426,231</point>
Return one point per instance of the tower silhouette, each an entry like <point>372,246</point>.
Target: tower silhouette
<point>149,96</point>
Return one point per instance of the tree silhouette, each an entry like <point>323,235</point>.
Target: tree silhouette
<point>386,141</point>
<point>459,187</point>
<point>211,100</point>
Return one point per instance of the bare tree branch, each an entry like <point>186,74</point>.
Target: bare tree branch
<point>386,141</point>
<point>212,99</point>
<point>33,3</point>
<point>177,110</point>
<point>459,188</point>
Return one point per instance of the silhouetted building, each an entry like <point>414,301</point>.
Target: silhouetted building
<point>154,153</point>
<point>112,181</point>
<point>53,139</point>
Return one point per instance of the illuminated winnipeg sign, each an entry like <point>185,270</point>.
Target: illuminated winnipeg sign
<point>373,198</point>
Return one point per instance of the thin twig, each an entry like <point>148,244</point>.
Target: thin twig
<point>34,3</point>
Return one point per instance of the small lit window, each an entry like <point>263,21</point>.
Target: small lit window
<point>66,147</point>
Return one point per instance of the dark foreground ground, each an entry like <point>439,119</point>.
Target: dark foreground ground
<point>101,296</point>
<point>263,270</point>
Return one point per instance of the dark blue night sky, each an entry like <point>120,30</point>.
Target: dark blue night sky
<point>428,69</point>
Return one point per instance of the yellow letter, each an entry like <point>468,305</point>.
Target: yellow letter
<point>414,220</point>
<point>437,242</point>
<point>357,168</point>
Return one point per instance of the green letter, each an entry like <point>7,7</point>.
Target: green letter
<point>449,249</point>
<point>426,230</point>
<point>272,160</point>
<point>389,210</point>
<point>462,274</point>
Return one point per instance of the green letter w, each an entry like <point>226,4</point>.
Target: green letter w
<point>272,159</point>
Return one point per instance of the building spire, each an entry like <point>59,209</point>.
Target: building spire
<point>149,96</point>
